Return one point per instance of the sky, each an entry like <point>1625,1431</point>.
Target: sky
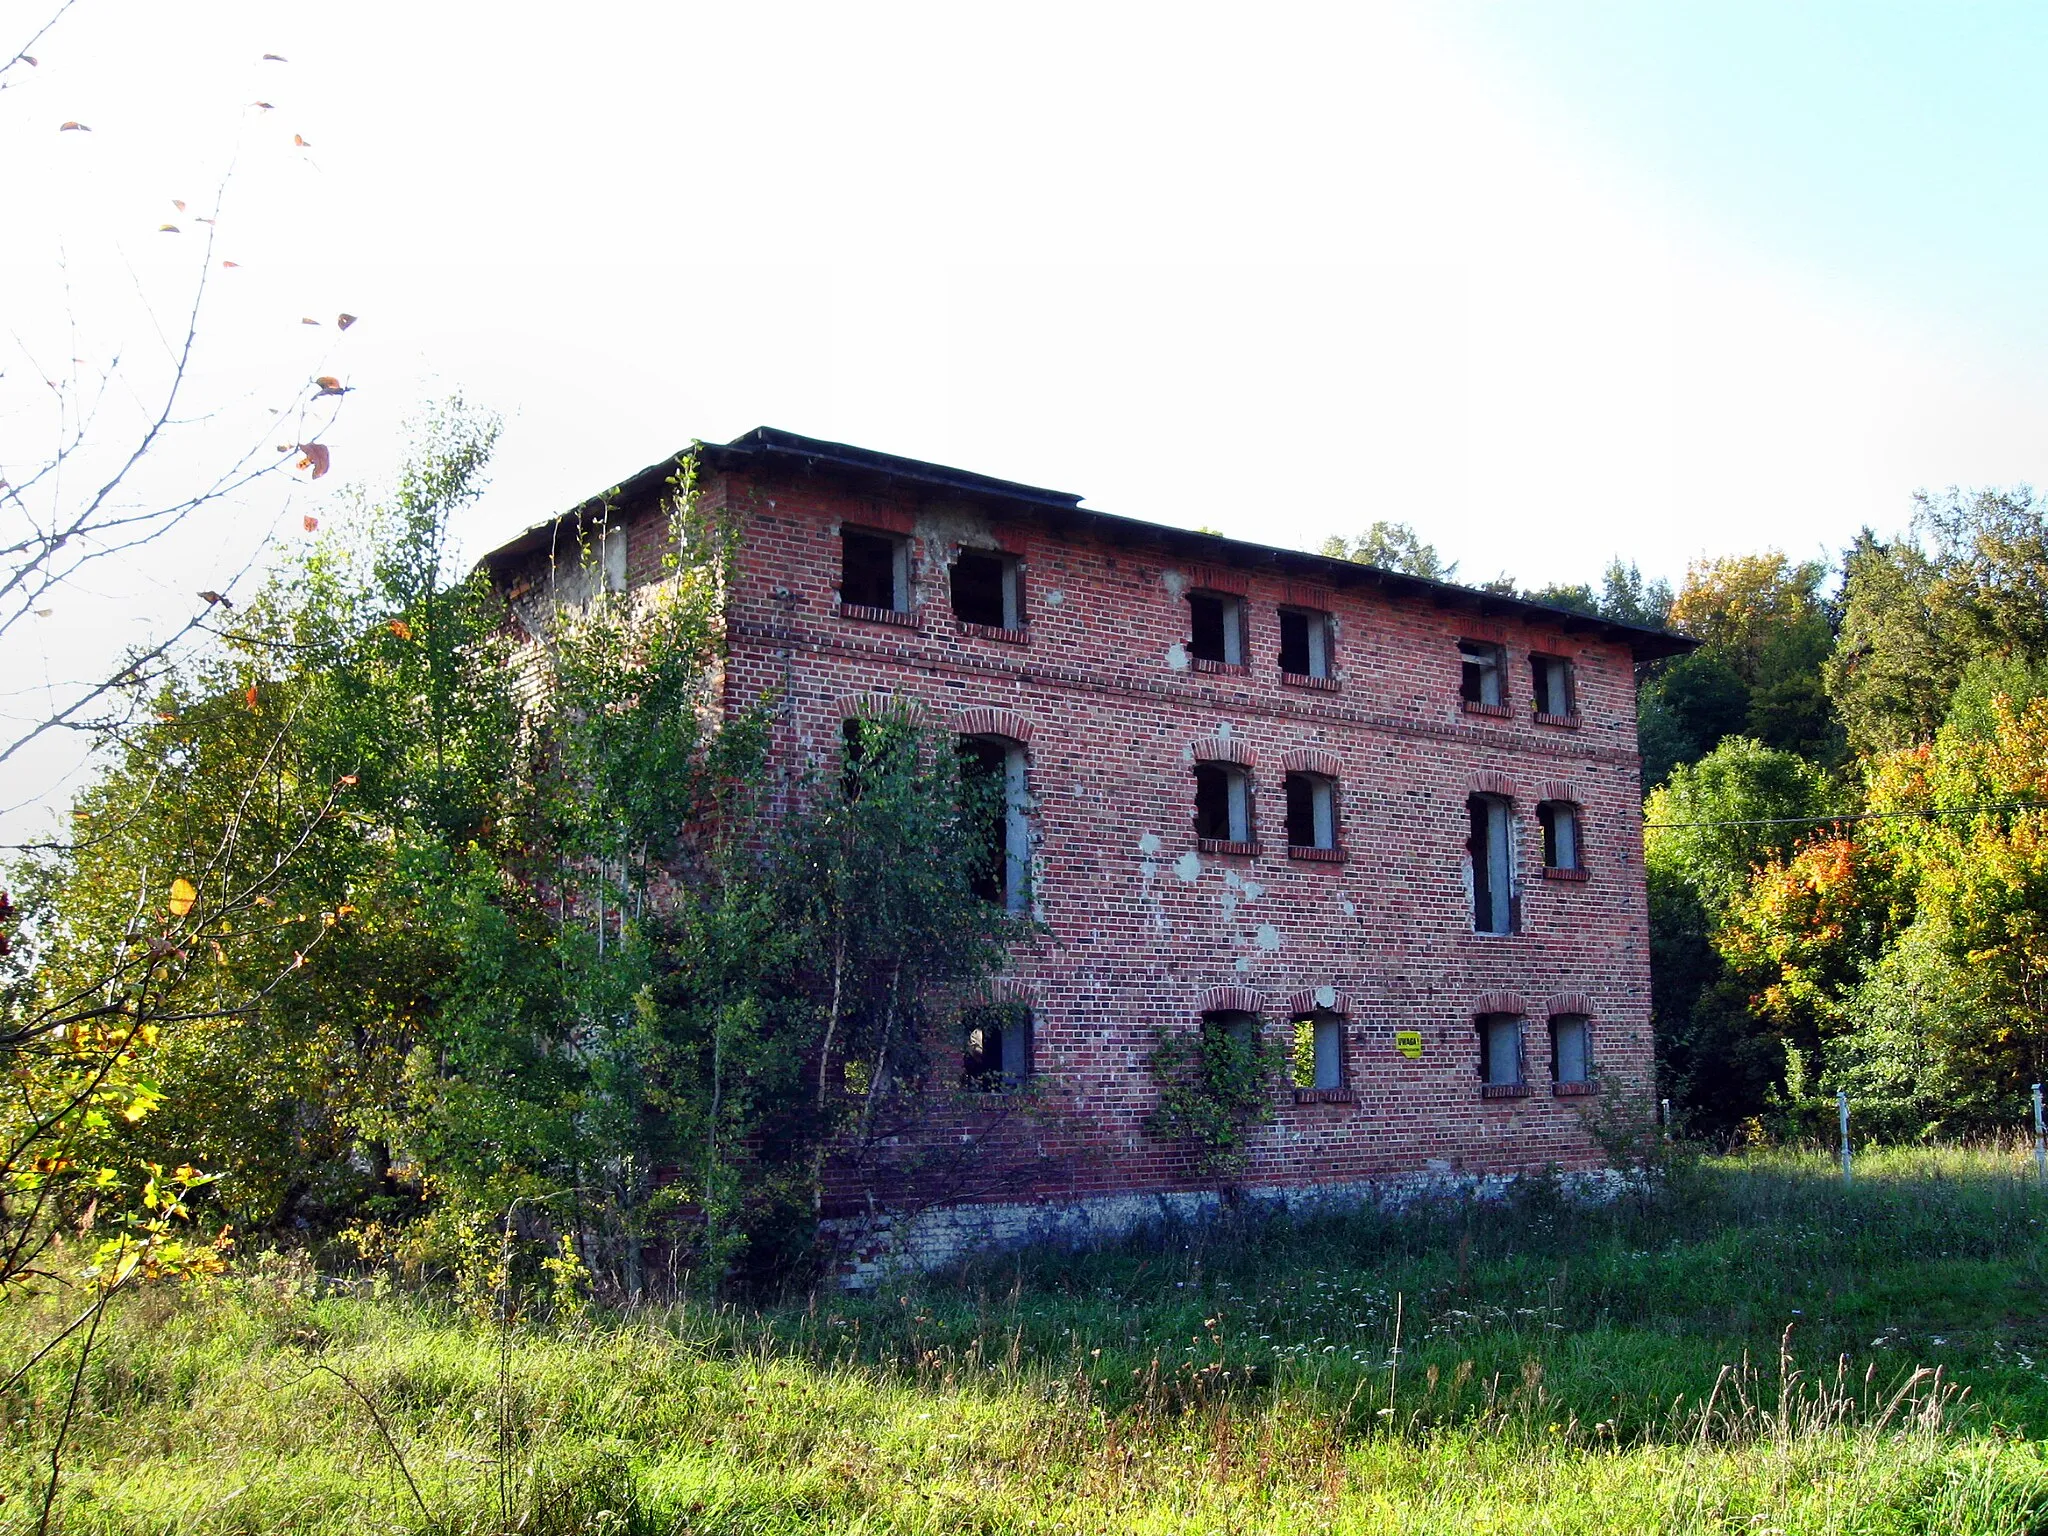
<point>1551,283</point>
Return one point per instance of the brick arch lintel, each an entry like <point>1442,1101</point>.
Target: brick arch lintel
<point>1221,749</point>
<point>1499,1002</point>
<point>1563,789</point>
<point>1490,781</point>
<point>1012,989</point>
<point>880,706</point>
<point>985,720</point>
<point>1311,760</point>
<point>1568,1002</point>
<point>1324,999</point>
<point>1230,998</point>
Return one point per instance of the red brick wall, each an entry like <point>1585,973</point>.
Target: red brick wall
<point>1140,923</point>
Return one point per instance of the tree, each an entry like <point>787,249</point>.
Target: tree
<point>1392,547</point>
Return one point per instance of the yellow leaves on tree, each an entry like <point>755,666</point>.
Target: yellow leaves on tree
<point>400,628</point>
<point>184,897</point>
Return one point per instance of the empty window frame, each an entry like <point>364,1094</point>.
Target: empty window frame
<point>1571,1051</point>
<point>1501,1073</point>
<point>1561,844</point>
<point>988,589</point>
<point>1304,643</point>
<point>1230,1043</point>
<point>1223,803</point>
<point>995,779</point>
<point>997,1047</point>
<point>1311,812</point>
<point>1318,1055</point>
<point>600,566</point>
<point>1218,628</point>
<point>1482,682</point>
<point>1550,681</point>
<point>1491,850</point>
<point>874,570</point>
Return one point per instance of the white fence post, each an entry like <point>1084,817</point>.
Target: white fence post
<point>1665,1118</point>
<point>2040,1141</point>
<point>1842,1110</point>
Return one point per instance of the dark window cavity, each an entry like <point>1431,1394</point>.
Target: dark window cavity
<point>1491,850</point>
<point>995,778</point>
<point>1218,622</point>
<point>1223,810</point>
<point>1304,642</point>
<point>1571,1057</point>
<point>998,1047</point>
<point>1500,1050</point>
<point>1319,1051</point>
<point>1311,811</point>
<point>1551,679</point>
<point>988,589</point>
<point>874,570</point>
<point>1481,680</point>
<point>853,750</point>
<point>1560,822</point>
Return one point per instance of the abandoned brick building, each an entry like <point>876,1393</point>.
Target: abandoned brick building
<point>1395,820</point>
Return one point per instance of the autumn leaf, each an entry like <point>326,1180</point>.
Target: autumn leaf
<point>214,597</point>
<point>165,715</point>
<point>301,143</point>
<point>263,106</point>
<point>330,385</point>
<point>168,229</point>
<point>343,322</point>
<point>184,897</point>
<point>348,779</point>
<point>231,263</point>
<point>73,128</point>
<point>400,628</point>
<point>178,203</point>
<point>313,456</point>
<point>307,320</point>
<point>249,698</point>
<point>312,523</point>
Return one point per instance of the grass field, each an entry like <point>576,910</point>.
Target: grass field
<point>1559,1369</point>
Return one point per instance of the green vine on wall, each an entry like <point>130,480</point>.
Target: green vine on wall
<point>1215,1084</point>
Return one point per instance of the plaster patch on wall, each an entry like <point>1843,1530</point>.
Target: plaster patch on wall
<point>1326,997</point>
<point>1243,965</point>
<point>1229,903</point>
<point>1053,598</point>
<point>1253,890</point>
<point>1177,656</point>
<point>1268,936</point>
<point>1232,879</point>
<point>1188,866</point>
<point>1149,843</point>
<point>1348,908</point>
<point>1174,582</point>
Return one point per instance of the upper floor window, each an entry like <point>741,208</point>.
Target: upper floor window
<point>1223,803</point>
<point>1319,1051</point>
<point>988,588</point>
<point>997,1047</point>
<point>1490,848</point>
<point>1304,642</point>
<point>1550,679</point>
<point>1571,1055</point>
<point>1311,812</point>
<point>1483,677</point>
<point>1560,822</point>
<point>600,566</point>
<point>994,775</point>
<point>1218,620</point>
<point>874,570</point>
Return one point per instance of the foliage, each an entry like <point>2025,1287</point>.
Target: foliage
<point>1392,547</point>
<point>1555,1370</point>
<point>1215,1083</point>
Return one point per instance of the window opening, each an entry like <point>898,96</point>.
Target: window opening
<point>1304,642</point>
<point>1560,822</point>
<point>995,771</point>
<point>1222,803</point>
<point>1311,811</point>
<point>1218,628</point>
<point>874,570</point>
<point>998,1047</point>
<point>1500,1050</point>
<point>1570,1053</point>
<point>1551,677</point>
<point>853,749</point>
<point>1481,681</point>
<point>987,589</point>
<point>1490,847</point>
<point>1319,1051</point>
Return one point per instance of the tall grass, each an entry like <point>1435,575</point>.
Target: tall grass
<point>1752,1347</point>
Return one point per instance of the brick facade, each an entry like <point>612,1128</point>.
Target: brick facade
<point>1145,929</point>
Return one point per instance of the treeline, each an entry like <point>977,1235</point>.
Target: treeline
<point>1847,855</point>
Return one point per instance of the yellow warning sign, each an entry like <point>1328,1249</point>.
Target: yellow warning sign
<point>1409,1043</point>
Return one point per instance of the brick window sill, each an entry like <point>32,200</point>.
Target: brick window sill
<point>1315,855</point>
<point>1568,722</point>
<point>1017,636</point>
<point>1503,1090</point>
<point>1573,1090</point>
<point>1227,668</point>
<point>867,615</point>
<point>1303,680</point>
<point>1225,846</point>
<point>1563,874</point>
<point>1325,1096</point>
<point>1491,711</point>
